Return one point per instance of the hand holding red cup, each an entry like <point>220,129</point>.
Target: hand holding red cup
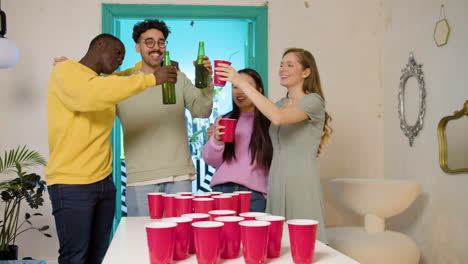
<point>228,130</point>
<point>217,81</point>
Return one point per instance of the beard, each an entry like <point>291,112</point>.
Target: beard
<point>151,61</point>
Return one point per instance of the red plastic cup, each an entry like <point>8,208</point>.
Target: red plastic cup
<point>217,213</point>
<point>207,236</point>
<point>203,205</point>
<point>217,81</point>
<point>244,201</point>
<point>160,236</point>
<point>215,193</point>
<point>183,205</point>
<point>254,236</point>
<point>251,215</point>
<point>195,218</point>
<point>181,244</point>
<point>222,202</point>
<point>184,194</point>
<point>302,234</point>
<point>234,201</point>
<point>230,236</point>
<point>169,207</point>
<point>229,129</point>
<point>155,204</point>
<point>274,235</point>
<point>202,195</point>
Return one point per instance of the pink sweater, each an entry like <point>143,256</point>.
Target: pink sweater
<point>238,170</point>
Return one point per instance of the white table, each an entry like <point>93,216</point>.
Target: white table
<point>129,246</point>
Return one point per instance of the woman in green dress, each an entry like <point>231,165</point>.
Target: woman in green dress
<point>299,125</point>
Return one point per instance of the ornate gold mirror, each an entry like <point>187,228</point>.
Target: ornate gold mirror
<point>453,142</point>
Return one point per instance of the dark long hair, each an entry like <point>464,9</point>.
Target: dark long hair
<point>261,149</point>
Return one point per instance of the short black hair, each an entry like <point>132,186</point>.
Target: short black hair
<point>143,26</point>
<point>103,36</point>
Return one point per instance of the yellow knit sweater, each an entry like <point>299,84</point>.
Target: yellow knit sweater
<point>81,111</point>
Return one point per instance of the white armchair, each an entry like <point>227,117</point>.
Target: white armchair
<point>375,199</point>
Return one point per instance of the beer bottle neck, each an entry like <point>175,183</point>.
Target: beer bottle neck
<point>201,53</point>
<point>167,60</point>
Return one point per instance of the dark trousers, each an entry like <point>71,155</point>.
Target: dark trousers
<point>83,217</point>
<point>257,201</point>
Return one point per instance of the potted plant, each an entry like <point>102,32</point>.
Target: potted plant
<point>23,187</point>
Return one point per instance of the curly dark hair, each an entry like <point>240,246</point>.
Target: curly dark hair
<point>143,26</point>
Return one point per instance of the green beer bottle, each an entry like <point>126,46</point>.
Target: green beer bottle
<point>168,89</point>
<point>201,73</point>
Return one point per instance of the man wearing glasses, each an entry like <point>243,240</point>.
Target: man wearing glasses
<point>155,136</point>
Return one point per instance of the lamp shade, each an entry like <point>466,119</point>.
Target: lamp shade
<point>9,53</point>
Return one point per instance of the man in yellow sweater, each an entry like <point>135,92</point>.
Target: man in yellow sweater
<point>81,107</point>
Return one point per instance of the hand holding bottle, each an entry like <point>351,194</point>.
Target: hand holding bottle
<point>206,63</point>
<point>165,74</point>
<point>168,88</point>
<point>175,64</point>
<point>203,67</point>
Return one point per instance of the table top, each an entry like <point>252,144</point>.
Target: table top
<point>129,245</point>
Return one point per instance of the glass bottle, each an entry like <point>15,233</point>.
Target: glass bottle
<point>201,73</point>
<point>168,89</point>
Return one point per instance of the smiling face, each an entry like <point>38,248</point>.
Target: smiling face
<point>112,55</point>
<point>240,99</point>
<point>151,56</point>
<point>291,71</point>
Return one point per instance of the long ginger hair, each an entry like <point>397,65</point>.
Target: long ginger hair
<point>312,83</point>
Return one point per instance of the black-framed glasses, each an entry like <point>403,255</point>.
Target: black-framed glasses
<point>149,42</point>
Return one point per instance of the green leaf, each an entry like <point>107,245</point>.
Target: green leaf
<point>6,196</point>
<point>22,155</point>
<point>195,135</point>
<point>25,186</point>
<point>44,228</point>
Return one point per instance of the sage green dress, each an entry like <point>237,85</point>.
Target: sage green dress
<point>294,189</point>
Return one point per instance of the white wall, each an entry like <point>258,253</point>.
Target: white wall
<point>346,38</point>
<point>437,219</point>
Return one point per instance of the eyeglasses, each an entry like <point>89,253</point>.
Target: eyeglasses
<point>149,42</point>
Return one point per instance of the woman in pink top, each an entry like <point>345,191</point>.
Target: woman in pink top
<point>242,165</point>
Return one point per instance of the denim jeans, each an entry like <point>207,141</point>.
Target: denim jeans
<point>257,200</point>
<point>83,217</point>
<point>137,201</point>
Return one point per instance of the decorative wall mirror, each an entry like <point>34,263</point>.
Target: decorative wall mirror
<point>442,29</point>
<point>418,101</point>
<point>453,142</point>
